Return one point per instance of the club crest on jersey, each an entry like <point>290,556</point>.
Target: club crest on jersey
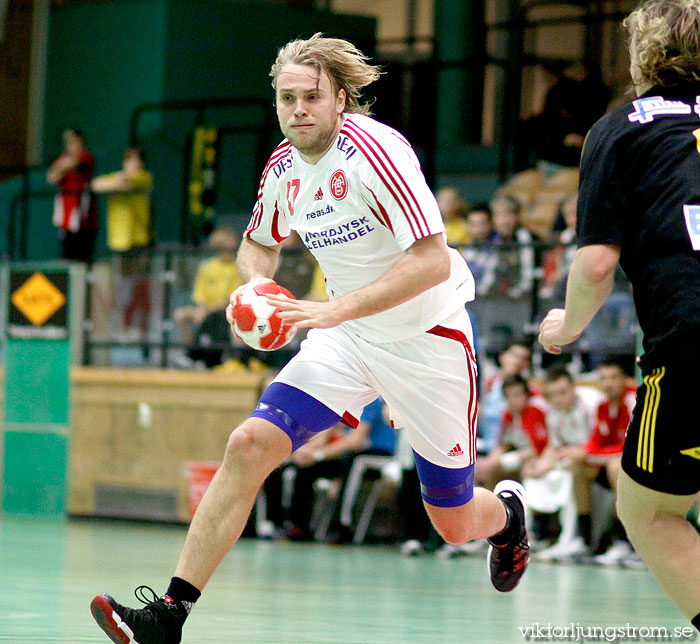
<point>645,109</point>
<point>338,185</point>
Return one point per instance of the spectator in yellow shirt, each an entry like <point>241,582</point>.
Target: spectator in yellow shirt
<point>128,203</point>
<point>129,228</point>
<point>216,279</point>
<point>453,209</point>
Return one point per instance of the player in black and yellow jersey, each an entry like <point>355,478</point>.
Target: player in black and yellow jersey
<point>639,204</point>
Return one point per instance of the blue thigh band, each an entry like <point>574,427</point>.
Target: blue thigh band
<point>297,414</point>
<point>443,486</point>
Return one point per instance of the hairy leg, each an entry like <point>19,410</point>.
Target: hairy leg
<point>254,449</point>
<point>612,469</point>
<point>656,525</point>
<point>483,516</point>
<point>584,475</point>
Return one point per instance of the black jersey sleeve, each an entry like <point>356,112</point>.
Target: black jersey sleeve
<point>600,210</point>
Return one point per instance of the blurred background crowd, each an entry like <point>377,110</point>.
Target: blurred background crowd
<point>136,151</point>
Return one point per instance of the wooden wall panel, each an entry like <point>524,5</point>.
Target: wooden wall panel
<point>137,429</point>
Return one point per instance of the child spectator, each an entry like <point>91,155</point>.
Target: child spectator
<point>558,261</point>
<point>548,478</point>
<point>129,202</point>
<point>216,279</point>
<point>504,291</point>
<point>510,273</point>
<point>129,228</point>
<point>522,437</point>
<point>453,209</point>
<point>570,418</point>
<point>478,250</point>
<point>514,360</point>
<point>75,208</point>
<point>603,453</point>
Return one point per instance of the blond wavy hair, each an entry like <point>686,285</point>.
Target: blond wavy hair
<point>664,42</point>
<point>345,64</point>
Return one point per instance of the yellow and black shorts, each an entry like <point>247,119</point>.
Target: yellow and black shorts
<point>662,447</point>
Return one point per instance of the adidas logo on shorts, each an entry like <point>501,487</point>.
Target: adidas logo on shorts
<point>455,451</point>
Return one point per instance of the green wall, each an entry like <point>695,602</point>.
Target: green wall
<point>104,58</point>
<point>224,48</point>
<point>36,426</point>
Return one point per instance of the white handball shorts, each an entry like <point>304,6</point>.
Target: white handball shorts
<point>428,381</point>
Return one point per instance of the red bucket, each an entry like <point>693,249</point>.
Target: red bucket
<point>199,475</point>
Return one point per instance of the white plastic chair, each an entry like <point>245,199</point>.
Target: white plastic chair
<point>390,474</point>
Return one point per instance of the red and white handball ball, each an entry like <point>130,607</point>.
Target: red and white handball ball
<point>256,322</point>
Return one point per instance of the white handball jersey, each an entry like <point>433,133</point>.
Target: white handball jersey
<point>357,210</point>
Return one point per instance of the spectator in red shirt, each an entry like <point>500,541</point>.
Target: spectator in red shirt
<point>604,446</point>
<point>603,451</point>
<point>75,207</point>
<point>523,435</point>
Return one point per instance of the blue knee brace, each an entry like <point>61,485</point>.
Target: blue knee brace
<point>297,414</point>
<point>444,487</point>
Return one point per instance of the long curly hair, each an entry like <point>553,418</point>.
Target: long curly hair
<point>345,64</point>
<point>664,42</point>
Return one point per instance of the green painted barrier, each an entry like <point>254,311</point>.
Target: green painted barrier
<point>43,317</point>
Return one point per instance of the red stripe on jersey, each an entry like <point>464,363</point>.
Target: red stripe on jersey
<point>408,196</point>
<point>384,219</point>
<point>282,150</point>
<point>376,215</point>
<point>473,411</point>
<point>351,135</point>
<point>416,163</point>
<point>274,159</point>
<point>277,155</point>
<point>400,176</point>
<point>459,336</point>
<point>275,225</point>
<point>401,138</point>
<point>254,220</point>
<point>349,420</point>
<point>385,215</point>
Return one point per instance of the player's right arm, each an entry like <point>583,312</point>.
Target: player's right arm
<point>424,265</point>
<point>258,254</point>
<point>257,261</point>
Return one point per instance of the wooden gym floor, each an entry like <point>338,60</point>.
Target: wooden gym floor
<point>283,593</point>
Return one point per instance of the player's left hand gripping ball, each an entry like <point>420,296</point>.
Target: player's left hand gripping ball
<point>256,322</point>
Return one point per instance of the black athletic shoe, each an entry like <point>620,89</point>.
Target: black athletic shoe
<point>160,622</point>
<point>507,562</point>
